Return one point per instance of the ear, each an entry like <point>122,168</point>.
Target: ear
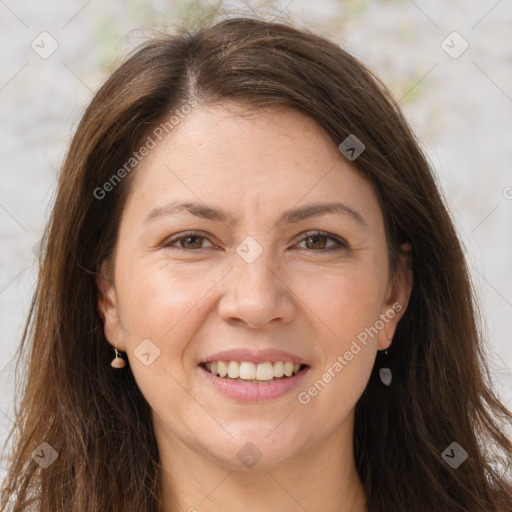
<point>397,297</point>
<point>108,309</point>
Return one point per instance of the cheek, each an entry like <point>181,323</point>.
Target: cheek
<point>156,298</point>
<point>345,300</point>
<point>163,304</point>
<point>347,304</point>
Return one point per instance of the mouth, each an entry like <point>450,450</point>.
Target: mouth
<point>253,382</point>
<point>247,372</point>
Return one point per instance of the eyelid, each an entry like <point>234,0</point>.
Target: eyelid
<point>341,243</point>
<point>316,232</point>
<point>171,240</point>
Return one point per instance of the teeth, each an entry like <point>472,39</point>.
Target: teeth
<point>222,369</point>
<point>278,369</point>
<point>265,371</point>
<point>234,369</point>
<point>247,370</point>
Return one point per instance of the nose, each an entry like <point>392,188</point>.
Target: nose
<point>256,293</point>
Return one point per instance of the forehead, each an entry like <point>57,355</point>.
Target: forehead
<point>250,161</point>
<point>232,132</point>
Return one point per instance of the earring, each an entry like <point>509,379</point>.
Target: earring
<point>117,362</point>
<point>385,372</point>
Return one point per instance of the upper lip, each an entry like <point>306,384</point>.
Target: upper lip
<point>254,356</point>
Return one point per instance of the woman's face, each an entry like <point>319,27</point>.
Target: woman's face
<point>243,269</point>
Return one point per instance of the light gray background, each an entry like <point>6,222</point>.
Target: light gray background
<point>460,108</point>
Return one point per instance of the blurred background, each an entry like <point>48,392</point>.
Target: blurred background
<point>448,63</point>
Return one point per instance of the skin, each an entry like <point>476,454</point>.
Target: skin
<point>296,296</point>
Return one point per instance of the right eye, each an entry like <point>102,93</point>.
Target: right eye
<point>191,238</point>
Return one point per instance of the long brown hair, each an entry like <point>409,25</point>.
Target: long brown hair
<point>96,419</point>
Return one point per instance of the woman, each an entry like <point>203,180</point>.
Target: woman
<point>253,298</point>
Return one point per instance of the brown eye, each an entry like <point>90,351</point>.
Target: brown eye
<point>188,241</point>
<point>194,244</point>
<point>315,241</point>
<point>318,240</point>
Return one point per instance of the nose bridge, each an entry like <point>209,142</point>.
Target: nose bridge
<point>254,267</point>
<point>256,293</point>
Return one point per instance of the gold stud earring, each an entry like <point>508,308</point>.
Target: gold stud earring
<point>117,362</point>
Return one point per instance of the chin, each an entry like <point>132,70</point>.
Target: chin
<point>255,447</point>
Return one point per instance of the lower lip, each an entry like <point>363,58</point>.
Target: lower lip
<point>254,392</point>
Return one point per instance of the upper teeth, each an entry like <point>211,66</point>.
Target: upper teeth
<point>249,371</point>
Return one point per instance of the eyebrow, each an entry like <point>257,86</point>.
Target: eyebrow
<point>290,216</point>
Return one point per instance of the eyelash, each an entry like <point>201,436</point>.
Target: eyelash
<point>309,234</point>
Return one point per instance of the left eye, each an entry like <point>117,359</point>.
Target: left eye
<point>191,241</point>
<point>317,236</point>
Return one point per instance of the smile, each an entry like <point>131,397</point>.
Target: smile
<point>249,371</point>
<point>247,381</point>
